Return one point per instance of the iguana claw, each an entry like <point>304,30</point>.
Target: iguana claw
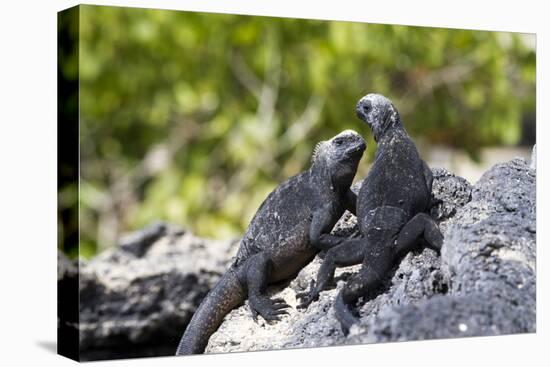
<point>268,309</point>
<point>307,297</point>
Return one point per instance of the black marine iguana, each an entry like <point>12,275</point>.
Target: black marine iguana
<point>291,226</point>
<point>391,207</point>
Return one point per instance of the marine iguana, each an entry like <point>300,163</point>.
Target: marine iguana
<point>391,206</point>
<point>291,226</point>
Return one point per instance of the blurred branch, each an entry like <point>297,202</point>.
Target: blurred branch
<point>114,203</point>
<point>266,93</point>
<point>445,76</point>
<point>244,75</point>
<point>299,129</point>
<point>427,85</point>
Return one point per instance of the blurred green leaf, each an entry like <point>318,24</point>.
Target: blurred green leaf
<point>193,117</point>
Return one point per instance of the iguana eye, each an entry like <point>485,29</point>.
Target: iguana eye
<point>367,107</point>
<point>338,141</point>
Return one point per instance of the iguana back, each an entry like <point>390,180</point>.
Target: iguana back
<point>289,208</point>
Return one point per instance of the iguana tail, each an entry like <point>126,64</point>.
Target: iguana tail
<point>227,294</point>
<point>343,314</point>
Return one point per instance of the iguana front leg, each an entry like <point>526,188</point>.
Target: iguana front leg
<point>346,254</point>
<point>258,270</point>
<point>321,224</point>
<point>340,251</point>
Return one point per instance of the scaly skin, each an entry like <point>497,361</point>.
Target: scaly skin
<point>291,226</point>
<point>391,212</point>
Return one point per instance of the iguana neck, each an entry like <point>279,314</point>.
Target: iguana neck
<point>322,178</point>
<point>388,136</point>
<point>390,125</point>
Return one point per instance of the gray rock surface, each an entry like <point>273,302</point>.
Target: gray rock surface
<point>137,299</point>
<point>488,263</point>
<point>449,194</point>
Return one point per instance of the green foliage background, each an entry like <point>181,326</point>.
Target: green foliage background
<point>194,118</point>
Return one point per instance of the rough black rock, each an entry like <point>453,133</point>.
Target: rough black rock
<point>137,298</point>
<point>449,193</point>
<point>483,283</point>
<point>488,265</point>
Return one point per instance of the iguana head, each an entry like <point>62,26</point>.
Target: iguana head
<point>340,156</point>
<point>378,112</point>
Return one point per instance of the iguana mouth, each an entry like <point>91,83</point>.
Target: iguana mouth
<point>355,151</point>
<point>361,115</point>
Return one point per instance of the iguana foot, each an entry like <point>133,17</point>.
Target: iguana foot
<point>269,309</point>
<point>307,297</point>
